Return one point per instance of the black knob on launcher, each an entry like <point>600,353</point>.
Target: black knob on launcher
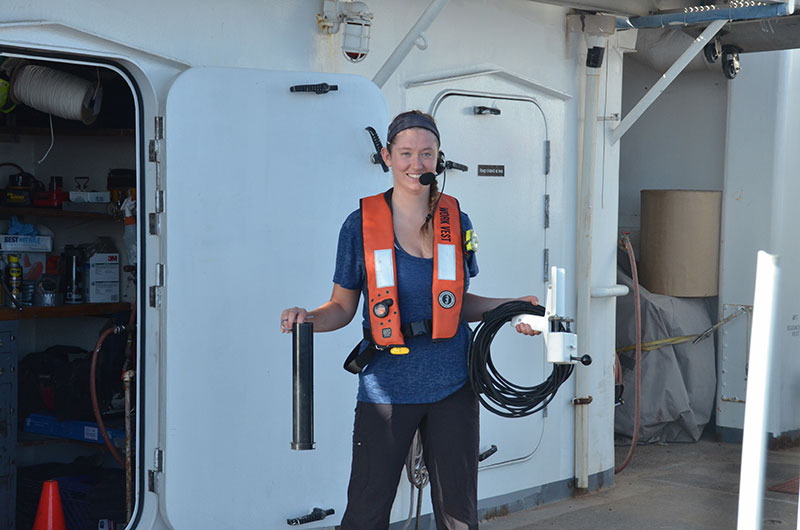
<point>585,360</point>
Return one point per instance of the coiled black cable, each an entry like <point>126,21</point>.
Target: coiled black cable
<point>494,391</point>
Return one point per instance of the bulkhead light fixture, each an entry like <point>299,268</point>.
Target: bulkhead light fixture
<point>357,22</point>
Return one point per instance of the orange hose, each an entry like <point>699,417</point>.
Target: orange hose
<point>638,319</point>
<point>93,391</point>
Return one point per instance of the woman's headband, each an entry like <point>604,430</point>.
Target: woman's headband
<point>409,121</point>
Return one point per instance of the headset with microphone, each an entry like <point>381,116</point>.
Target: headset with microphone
<point>426,179</point>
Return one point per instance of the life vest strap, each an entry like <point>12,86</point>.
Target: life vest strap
<point>412,329</point>
<point>357,359</point>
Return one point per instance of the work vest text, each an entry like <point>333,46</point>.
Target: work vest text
<point>444,224</point>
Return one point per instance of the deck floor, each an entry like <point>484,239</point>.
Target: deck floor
<point>669,486</point>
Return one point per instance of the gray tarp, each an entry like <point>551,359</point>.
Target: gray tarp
<point>678,381</point>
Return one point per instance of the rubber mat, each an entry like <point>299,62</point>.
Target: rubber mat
<point>790,486</point>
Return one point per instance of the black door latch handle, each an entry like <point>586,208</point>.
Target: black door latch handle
<point>319,88</point>
<point>317,514</point>
<point>483,110</point>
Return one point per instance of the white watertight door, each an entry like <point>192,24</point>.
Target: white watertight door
<point>503,193</point>
<point>258,180</point>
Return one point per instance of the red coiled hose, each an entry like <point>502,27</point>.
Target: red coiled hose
<point>638,319</point>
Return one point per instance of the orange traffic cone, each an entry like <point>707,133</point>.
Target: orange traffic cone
<point>50,515</point>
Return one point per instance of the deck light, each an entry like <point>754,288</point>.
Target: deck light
<point>357,25</point>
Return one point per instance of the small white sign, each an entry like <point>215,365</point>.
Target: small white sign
<point>90,433</point>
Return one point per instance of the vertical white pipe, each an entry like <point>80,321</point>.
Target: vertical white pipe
<point>403,49</point>
<point>670,75</point>
<point>754,457</point>
<point>584,273</point>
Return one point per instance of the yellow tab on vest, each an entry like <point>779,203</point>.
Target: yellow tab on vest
<point>398,350</point>
<point>472,240</point>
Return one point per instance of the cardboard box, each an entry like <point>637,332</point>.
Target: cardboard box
<point>90,196</point>
<point>102,292</point>
<point>84,431</point>
<point>16,243</point>
<point>101,280</point>
<point>679,247</point>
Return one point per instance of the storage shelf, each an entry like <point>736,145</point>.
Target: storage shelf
<point>8,211</point>
<point>70,131</point>
<point>63,311</point>
<point>27,439</point>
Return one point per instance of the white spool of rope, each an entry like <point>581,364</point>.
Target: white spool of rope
<point>58,93</point>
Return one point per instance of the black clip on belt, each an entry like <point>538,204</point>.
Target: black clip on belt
<point>357,359</point>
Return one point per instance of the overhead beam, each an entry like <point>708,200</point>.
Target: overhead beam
<point>666,79</point>
<point>700,16</point>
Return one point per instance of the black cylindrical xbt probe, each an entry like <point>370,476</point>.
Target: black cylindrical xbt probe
<point>303,386</point>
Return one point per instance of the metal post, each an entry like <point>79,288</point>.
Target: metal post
<point>754,450</point>
<point>583,277</point>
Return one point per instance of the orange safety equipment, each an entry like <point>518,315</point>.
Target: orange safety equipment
<point>448,271</point>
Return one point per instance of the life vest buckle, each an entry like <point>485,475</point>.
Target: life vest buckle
<point>415,329</point>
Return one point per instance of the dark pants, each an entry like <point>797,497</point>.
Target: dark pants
<point>382,435</point>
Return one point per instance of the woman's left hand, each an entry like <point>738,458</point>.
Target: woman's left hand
<point>526,329</point>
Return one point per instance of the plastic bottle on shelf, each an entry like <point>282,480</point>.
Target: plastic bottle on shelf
<point>14,273</point>
<point>129,233</point>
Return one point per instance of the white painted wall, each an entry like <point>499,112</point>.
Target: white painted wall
<point>679,143</point>
<point>760,213</point>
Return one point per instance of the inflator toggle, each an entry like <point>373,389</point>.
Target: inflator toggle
<point>381,308</point>
<point>561,344</point>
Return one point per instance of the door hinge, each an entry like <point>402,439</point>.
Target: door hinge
<point>159,201</point>
<point>547,211</point>
<point>152,151</point>
<point>155,144</point>
<point>547,157</point>
<point>159,127</point>
<point>158,461</point>
<point>547,265</point>
<point>155,290</point>
<point>155,224</point>
<point>155,158</point>
<point>158,458</point>
<point>155,296</point>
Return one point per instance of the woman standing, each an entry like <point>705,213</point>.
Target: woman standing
<point>405,251</point>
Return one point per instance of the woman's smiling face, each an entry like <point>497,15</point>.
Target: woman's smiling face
<point>412,152</point>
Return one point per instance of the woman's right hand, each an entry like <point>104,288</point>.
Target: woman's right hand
<point>291,316</point>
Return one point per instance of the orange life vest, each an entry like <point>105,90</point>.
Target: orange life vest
<point>379,258</point>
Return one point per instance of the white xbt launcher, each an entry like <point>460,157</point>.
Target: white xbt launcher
<point>561,344</point>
